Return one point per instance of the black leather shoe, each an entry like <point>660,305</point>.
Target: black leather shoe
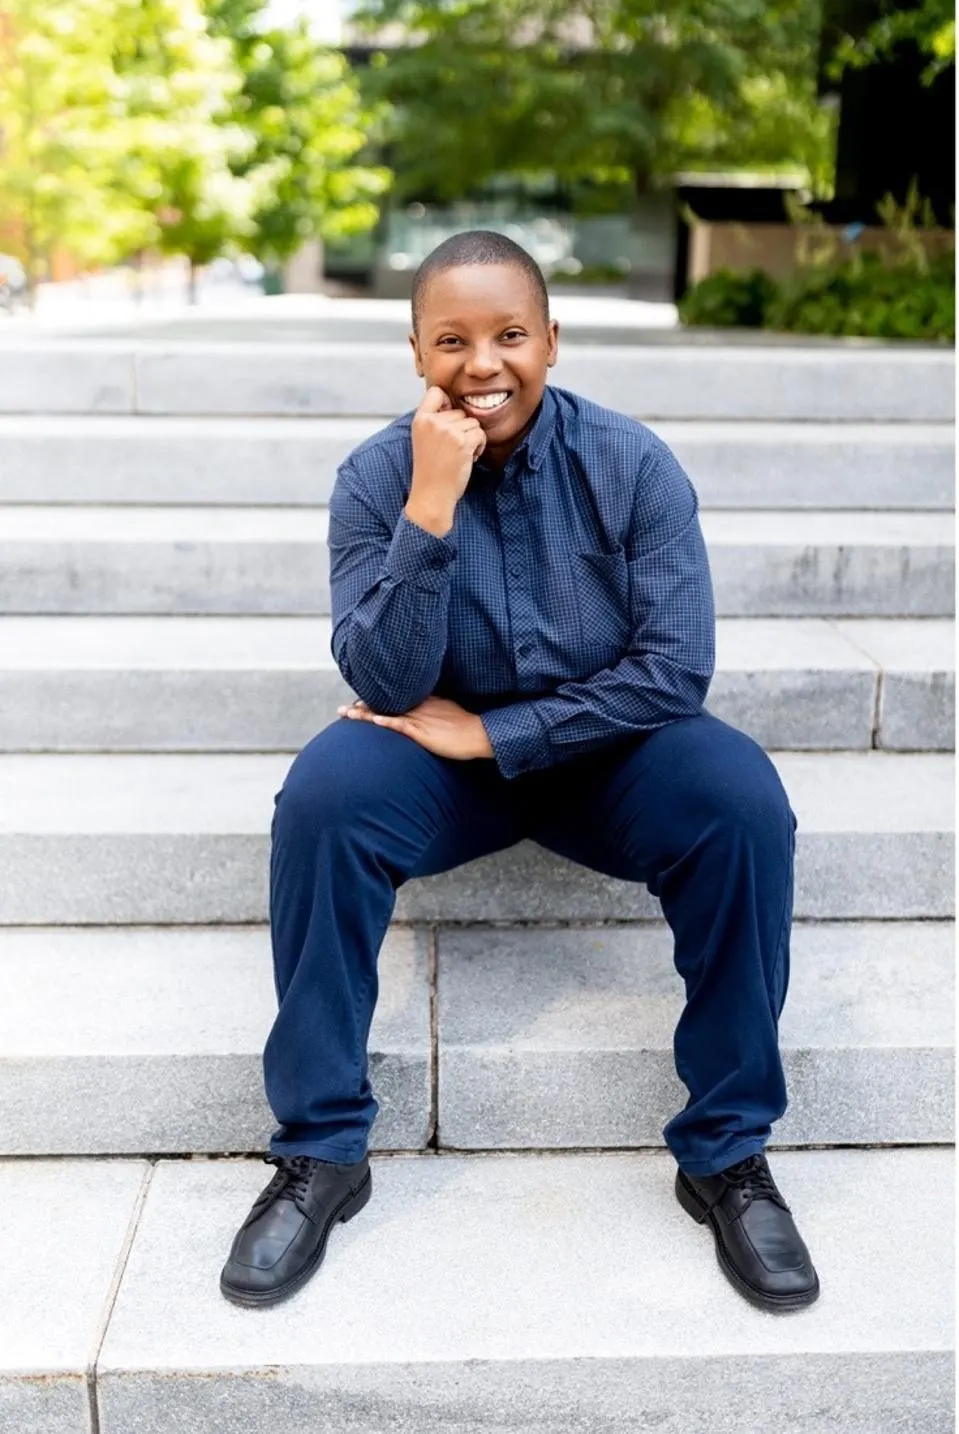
<point>283,1239</point>
<point>759,1249</point>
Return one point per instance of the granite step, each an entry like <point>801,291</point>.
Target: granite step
<point>882,382</point>
<point>270,683</point>
<point>885,382</point>
<point>143,1040</point>
<point>514,1294</point>
<point>240,460</point>
<point>104,839</point>
<point>115,559</point>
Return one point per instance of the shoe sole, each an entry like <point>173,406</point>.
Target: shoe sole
<point>777,1304</point>
<point>350,1206</point>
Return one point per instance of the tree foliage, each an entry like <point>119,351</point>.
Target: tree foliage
<point>627,86</point>
<point>300,105</point>
<point>63,135</point>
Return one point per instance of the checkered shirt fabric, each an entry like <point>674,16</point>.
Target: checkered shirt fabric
<point>570,605</point>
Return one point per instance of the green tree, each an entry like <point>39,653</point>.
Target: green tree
<point>628,86</point>
<point>300,107</point>
<point>178,83</point>
<point>63,136</point>
<point>930,25</point>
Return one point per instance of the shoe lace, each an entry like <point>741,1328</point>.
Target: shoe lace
<point>292,1178</point>
<point>753,1178</point>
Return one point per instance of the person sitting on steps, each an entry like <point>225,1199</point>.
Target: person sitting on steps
<point>522,601</point>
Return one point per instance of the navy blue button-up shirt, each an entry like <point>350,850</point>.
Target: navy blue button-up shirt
<point>569,605</point>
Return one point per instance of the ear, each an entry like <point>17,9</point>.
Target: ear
<point>417,356</point>
<point>553,341</point>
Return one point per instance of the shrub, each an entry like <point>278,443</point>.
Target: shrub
<point>729,299</point>
<point>863,296</point>
<point>866,297</point>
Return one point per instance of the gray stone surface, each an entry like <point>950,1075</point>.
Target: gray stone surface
<point>163,560</point>
<point>115,559</point>
<point>660,382</point>
<point>183,838</point>
<point>534,1294</point>
<point>563,1038</point>
<point>78,377</point>
<point>831,564</point>
<point>140,1040</point>
<point>138,459</point>
<point>62,1232</point>
<point>262,684</point>
<point>917,707</point>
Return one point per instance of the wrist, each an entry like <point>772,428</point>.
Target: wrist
<point>435,517</point>
<point>484,747</point>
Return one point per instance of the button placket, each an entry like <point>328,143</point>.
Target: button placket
<point>518,596</point>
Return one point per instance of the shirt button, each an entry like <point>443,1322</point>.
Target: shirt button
<point>525,648</point>
<point>516,572</point>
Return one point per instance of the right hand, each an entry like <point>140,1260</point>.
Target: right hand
<point>446,444</point>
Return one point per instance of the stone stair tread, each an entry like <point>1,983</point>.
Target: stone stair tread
<point>130,991</point>
<point>570,1288</point>
<point>118,523</point>
<point>795,380</point>
<point>233,792</point>
<point>133,459</point>
<point>61,1242</point>
<point>546,1039</point>
<point>612,1220</point>
<point>244,642</point>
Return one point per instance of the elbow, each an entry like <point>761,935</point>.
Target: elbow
<point>391,693</point>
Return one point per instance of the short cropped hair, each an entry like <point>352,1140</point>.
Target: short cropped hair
<point>477,246</point>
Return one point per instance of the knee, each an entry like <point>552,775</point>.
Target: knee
<point>723,781</point>
<point>743,792</point>
<point>333,782</point>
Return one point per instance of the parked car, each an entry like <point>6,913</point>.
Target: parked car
<point>13,283</point>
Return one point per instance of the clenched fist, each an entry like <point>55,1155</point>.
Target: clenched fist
<point>446,444</point>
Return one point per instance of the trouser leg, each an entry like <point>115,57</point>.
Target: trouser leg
<point>361,811</point>
<point>697,811</point>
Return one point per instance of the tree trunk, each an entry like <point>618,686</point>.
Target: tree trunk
<point>191,283</point>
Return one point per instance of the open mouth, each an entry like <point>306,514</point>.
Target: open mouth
<point>485,403</point>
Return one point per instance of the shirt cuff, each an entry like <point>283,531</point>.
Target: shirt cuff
<point>518,738</point>
<point>419,557</point>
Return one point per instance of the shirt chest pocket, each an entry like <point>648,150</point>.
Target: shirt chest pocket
<point>599,584</point>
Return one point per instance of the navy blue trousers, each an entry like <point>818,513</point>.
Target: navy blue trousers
<point>695,810</point>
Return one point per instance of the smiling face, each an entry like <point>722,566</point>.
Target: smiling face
<point>483,338</point>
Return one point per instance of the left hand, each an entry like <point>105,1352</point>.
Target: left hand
<point>442,727</point>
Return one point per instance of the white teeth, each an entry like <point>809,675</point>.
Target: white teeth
<point>486,400</point>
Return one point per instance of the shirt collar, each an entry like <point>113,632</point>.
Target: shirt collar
<point>535,445</point>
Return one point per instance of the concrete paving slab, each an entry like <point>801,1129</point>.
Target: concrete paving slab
<point>563,1038</point>
<point>138,1040</point>
<point>268,683</point>
<point>136,459</point>
<point>184,838</point>
<point>689,381</point>
<point>526,1293</point>
<point>63,1228</point>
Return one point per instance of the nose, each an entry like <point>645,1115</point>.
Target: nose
<point>483,361</point>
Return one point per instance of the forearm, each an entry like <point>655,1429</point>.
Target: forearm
<point>390,642</point>
<point>638,694</point>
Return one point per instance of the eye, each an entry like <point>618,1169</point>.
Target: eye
<point>447,341</point>
<point>515,334</point>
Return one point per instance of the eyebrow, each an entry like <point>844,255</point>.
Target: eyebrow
<point>500,319</point>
